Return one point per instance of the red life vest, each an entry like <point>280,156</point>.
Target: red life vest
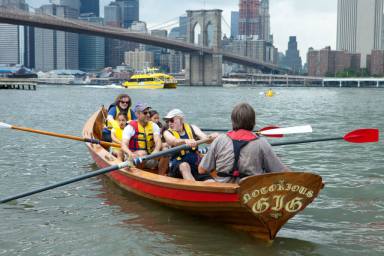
<point>143,138</point>
<point>239,138</point>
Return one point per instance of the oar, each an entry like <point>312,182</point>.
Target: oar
<point>136,161</point>
<point>274,131</point>
<point>366,135</point>
<point>93,141</point>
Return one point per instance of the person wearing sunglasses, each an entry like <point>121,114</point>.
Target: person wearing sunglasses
<point>142,136</point>
<point>184,164</point>
<point>122,104</point>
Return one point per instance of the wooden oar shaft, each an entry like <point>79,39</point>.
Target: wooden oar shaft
<point>304,141</point>
<point>65,136</point>
<point>103,171</point>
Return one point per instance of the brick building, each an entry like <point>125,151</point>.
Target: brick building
<point>327,62</point>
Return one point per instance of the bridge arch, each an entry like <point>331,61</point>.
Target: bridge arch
<point>204,69</point>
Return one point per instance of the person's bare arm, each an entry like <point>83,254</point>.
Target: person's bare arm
<point>157,140</point>
<point>125,149</point>
<point>173,142</point>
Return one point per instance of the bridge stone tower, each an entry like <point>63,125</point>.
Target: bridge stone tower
<point>204,69</point>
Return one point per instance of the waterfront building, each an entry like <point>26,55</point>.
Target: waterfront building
<point>129,12</point>
<point>360,26</point>
<point>265,28</point>
<point>256,49</point>
<point>292,58</point>
<point>375,63</point>
<point>56,49</point>
<point>139,60</point>
<point>90,6</point>
<point>74,4</point>
<point>16,42</point>
<point>234,24</point>
<point>180,32</point>
<point>249,18</point>
<point>327,62</point>
<point>157,51</point>
<point>114,48</point>
<point>91,48</point>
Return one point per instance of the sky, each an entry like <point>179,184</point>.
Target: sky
<point>313,22</point>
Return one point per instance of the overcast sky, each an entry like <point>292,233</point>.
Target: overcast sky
<point>312,21</point>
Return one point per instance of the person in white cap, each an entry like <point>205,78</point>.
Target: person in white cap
<point>184,164</point>
<point>142,137</point>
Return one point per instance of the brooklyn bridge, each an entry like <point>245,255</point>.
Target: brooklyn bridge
<point>203,62</point>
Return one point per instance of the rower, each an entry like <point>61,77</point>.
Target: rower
<point>240,152</point>
<point>122,104</point>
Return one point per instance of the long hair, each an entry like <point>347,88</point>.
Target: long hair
<point>121,96</point>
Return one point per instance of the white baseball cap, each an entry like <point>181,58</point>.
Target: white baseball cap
<point>173,113</point>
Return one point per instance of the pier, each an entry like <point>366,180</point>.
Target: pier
<point>272,80</point>
<point>18,84</point>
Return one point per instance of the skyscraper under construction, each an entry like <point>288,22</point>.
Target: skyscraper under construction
<point>249,18</point>
<point>254,19</point>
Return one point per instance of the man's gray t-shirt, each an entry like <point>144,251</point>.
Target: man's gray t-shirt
<point>255,158</point>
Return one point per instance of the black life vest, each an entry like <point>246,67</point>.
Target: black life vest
<point>240,139</point>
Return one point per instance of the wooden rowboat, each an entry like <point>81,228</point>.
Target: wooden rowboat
<point>260,205</point>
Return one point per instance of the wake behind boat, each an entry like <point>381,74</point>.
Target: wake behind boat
<point>151,79</point>
<point>259,205</point>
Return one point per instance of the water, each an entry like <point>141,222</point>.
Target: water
<point>93,217</point>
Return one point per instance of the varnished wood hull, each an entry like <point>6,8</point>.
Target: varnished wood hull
<point>226,203</point>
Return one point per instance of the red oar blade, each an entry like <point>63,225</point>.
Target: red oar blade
<point>362,136</point>
<point>270,128</point>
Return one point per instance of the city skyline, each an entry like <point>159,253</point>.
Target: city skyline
<point>314,23</point>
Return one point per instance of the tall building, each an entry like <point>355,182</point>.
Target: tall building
<point>16,42</point>
<point>249,18</point>
<point>360,26</point>
<point>234,24</point>
<point>292,58</point>
<point>90,6</point>
<point>139,60</point>
<point>56,49</point>
<point>129,11</point>
<point>265,27</point>
<point>91,48</point>
<point>74,4</point>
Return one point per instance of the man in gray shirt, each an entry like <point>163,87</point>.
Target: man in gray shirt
<point>240,152</point>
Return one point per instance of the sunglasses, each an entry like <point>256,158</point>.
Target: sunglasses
<point>124,102</point>
<point>146,112</point>
<point>172,120</point>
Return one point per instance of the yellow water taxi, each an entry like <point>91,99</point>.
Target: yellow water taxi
<point>151,79</point>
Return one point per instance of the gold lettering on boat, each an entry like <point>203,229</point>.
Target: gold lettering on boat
<point>277,198</point>
<point>272,188</point>
<point>261,205</point>
<point>264,190</point>
<point>303,190</point>
<point>255,193</point>
<point>295,188</point>
<point>294,205</point>
<point>246,198</point>
<point>279,203</point>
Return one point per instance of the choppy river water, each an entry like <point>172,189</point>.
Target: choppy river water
<point>93,217</point>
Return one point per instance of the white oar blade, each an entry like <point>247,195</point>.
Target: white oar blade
<point>4,125</point>
<point>288,130</point>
